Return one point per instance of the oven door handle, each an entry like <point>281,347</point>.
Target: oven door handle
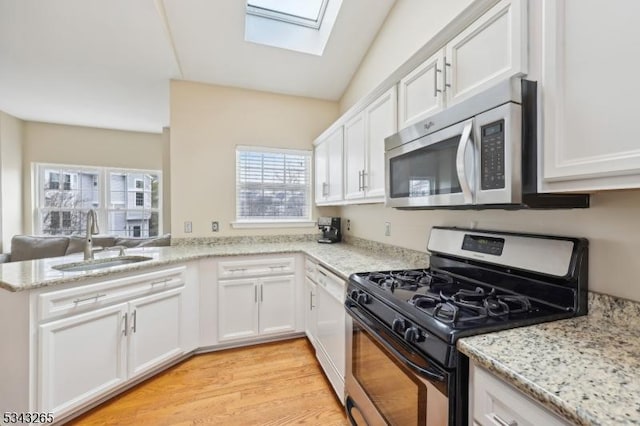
<point>403,355</point>
<point>461,163</point>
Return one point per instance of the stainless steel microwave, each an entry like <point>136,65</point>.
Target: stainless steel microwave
<point>480,153</point>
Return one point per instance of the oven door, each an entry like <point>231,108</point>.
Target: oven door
<point>387,382</point>
<point>434,170</point>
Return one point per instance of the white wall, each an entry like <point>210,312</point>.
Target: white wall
<point>88,146</point>
<point>611,224</point>
<point>207,123</point>
<point>409,25</point>
<point>11,201</point>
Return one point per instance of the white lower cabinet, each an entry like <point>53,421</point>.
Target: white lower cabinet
<point>331,329</point>
<point>83,356</point>
<point>311,315</point>
<point>154,334</point>
<point>257,306</point>
<point>496,403</point>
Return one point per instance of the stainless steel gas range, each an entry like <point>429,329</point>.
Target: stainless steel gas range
<point>402,364</point>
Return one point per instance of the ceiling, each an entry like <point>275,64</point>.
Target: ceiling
<point>108,63</point>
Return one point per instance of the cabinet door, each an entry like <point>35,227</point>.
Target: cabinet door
<point>310,317</point>
<point>380,118</point>
<point>321,167</point>
<point>589,81</point>
<point>335,171</point>
<point>237,309</point>
<point>328,169</point>
<point>81,358</point>
<point>491,49</point>
<point>420,92</point>
<point>354,157</point>
<point>277,304</point>
<point>155,324</point>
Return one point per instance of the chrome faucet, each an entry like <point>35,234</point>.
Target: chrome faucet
<point>92,229</point>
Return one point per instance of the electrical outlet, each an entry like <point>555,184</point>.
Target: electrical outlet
<point>387,229</point>
<point>214,226</point>
<point>187,227</point>
<point>348,224</point>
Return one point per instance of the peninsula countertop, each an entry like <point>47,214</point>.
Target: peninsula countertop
<point>343,259</point>
<point>585,369</point>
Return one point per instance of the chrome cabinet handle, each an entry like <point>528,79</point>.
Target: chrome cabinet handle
<point>96,297</point>
<point>435,82</point>
<point>255,293</point>
<point>135,321</point>
<point>311,301</point>
<point>261,293</point>
<point>446,64</point>
<point>364,186</point>
<point>126,323</point>
<point>503,422</point>
<point>164,281</point>
<point>325,189</point>
<point>460,162</point>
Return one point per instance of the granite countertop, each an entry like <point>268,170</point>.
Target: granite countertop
<point>343,259</point>
<point>586,369</point>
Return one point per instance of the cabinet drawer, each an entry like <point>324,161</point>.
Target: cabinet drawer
<point>257,267</point>
<point>496,403</point>
<point>310,269</point>
<point>74,300</point>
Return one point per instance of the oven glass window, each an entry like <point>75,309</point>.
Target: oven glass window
<point>427,171</point>
<point>391,390</point>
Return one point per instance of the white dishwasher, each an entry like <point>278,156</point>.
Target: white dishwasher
<point>331,335</point>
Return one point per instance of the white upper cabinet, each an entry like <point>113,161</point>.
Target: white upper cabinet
<point>354,154</point>
<point>491,49</point>
<point>380,123</point>
<point>364,138</point>
<point>328,168</point>
<point>420,92</point>
<point>589,88</point>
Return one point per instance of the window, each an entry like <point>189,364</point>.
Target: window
<point>272,185</point>
<point>299,25</point>
<point>128,202</point>
<point>308,13</point>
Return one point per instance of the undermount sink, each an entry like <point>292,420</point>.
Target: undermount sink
<point>108,262</point>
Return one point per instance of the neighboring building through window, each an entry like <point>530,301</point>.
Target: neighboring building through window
<point>273,185</point>
<point>128,202</point>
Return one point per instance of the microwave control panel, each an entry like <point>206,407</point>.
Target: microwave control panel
<point>492,155</point>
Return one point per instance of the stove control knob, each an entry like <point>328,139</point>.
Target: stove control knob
<point>354,294</point>
<point>413,335</point>
<point>363,299</point>
<point>398,325</point>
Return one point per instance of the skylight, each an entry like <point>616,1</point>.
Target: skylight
<point>299,25</point>
<point>307,13</point>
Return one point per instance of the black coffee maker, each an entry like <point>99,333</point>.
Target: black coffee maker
<point>330,227</point>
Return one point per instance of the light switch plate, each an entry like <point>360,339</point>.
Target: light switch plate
<point>187,227</point>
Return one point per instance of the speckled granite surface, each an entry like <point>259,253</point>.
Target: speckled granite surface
<point>586,369</point>
<point>343,259</point>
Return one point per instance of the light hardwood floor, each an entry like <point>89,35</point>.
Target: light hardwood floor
<point>272,384</point>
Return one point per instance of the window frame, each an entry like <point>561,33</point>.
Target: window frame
<point>279,15</point>
<point>103,189</point>
<point>307,221</point>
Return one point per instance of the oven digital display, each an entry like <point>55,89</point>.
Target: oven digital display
<point>482,244</point>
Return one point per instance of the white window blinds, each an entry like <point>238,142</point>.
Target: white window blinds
<point>272,184</point>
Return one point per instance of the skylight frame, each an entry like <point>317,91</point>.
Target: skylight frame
<point>289,18</point>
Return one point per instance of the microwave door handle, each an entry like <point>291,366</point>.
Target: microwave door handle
<point>460,163</point>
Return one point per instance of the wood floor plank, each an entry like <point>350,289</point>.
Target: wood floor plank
<point>272,384</point>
